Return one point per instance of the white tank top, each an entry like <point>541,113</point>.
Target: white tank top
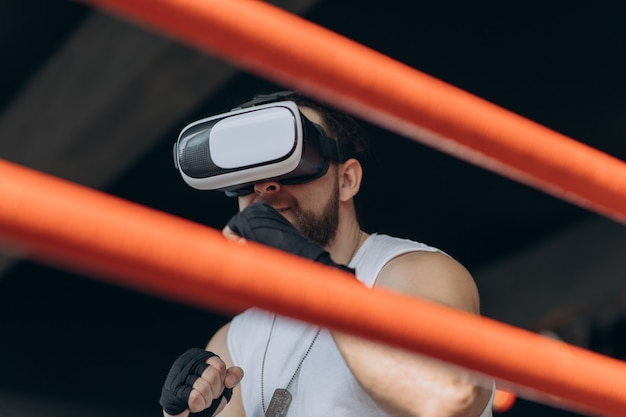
<point>324,385</point>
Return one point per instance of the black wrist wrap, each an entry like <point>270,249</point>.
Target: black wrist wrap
<point>179,383</point>
<point>261,223</point>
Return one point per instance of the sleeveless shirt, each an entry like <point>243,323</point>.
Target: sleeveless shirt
<point>324,386</point>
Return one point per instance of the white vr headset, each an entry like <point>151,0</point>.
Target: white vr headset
<point>232,151</point>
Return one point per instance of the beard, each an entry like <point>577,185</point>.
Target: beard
<point>319,228</point>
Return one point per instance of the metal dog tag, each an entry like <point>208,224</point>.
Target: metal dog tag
<point>279,404</point>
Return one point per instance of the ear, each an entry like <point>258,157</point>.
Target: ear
<point>350,176</point>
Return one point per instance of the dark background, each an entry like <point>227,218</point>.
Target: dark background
<point>100,102</point>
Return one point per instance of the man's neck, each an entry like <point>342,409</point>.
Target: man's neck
<point>346,244</point>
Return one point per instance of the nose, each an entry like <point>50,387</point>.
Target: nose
<point>266,187</point>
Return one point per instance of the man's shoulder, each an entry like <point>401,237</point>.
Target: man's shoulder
<point>378,242</point>
<point>431,275</point>
<point>380,249</point>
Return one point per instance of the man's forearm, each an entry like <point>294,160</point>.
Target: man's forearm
<point>405,384</point>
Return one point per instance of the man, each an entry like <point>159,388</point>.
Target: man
<point>294,368</point>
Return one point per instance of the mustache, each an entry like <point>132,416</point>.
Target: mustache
<point>280,202</point>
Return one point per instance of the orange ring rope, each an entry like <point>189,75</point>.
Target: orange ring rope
<point>157,253</point>
<point>325,65</point>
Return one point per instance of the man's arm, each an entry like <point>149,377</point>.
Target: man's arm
<point>200,381</point>
<point>406,384</point>
<point>219,345</point>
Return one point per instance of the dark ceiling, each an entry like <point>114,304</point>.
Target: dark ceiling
<point>100,102</point>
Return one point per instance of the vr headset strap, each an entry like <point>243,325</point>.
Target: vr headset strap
<point>264,99</point>
<point>330,148</point>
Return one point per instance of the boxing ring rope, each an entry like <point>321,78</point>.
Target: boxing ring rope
<point>138,247</point>
<point>134,246</point>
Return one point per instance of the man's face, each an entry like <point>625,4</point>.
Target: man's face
<point>313,207</point>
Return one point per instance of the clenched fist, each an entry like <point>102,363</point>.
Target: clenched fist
<point>200,383</point>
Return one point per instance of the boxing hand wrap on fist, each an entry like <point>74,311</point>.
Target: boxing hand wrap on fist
<point>261,223</point>
<point>179,383</point>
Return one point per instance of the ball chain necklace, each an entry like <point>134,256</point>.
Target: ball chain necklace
<point>281,399</point>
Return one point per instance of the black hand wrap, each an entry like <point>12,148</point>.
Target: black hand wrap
<point>179,383</point>
<point>261,223</point>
